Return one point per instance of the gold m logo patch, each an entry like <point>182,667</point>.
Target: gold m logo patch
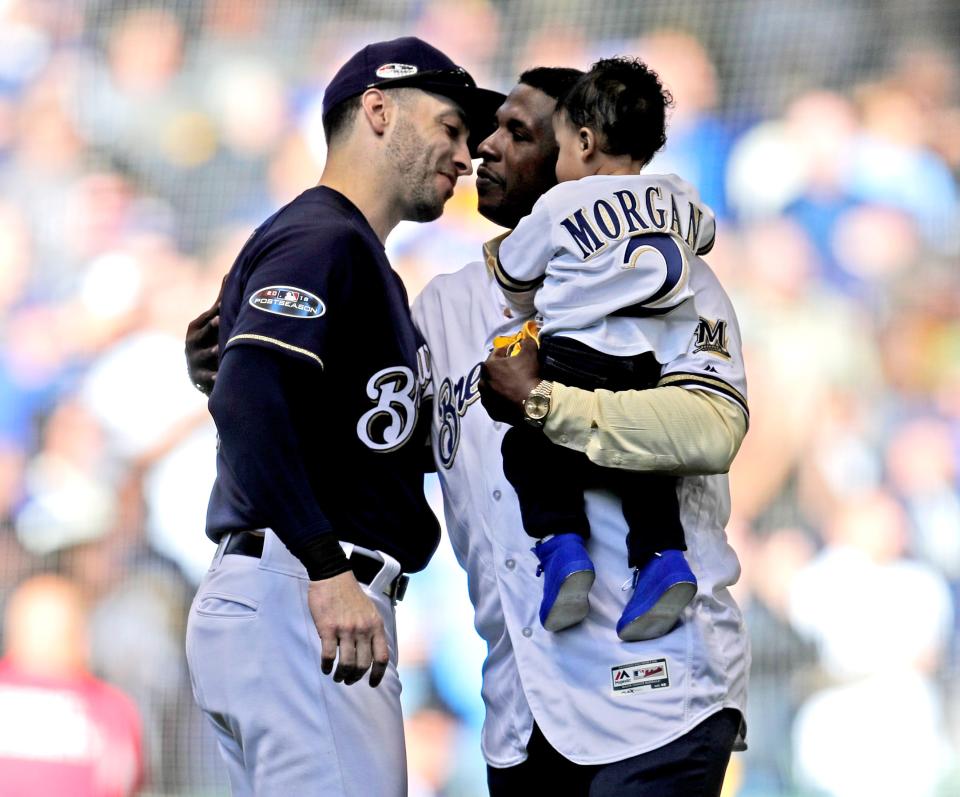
<point>711,336</point>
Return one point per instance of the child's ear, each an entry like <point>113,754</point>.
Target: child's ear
<point>586,143</point>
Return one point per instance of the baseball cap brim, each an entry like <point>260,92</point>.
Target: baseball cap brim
<point>479,105</point>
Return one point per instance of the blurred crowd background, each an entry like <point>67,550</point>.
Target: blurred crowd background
<point>141,142</point>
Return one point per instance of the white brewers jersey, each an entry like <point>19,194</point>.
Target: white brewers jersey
<point>596,699</point>
<point>605,260</point>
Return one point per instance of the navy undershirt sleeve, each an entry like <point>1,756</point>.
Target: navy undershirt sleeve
<point>250,403</point>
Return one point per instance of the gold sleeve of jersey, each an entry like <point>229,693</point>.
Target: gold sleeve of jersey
<point>667,429</point>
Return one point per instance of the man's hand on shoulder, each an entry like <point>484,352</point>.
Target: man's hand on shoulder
<point>347,619</point>
<point>506,381</point>
<point>201,348</point>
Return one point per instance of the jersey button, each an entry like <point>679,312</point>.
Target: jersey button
<point>527,632</point>
<point>617,459</point>
<point>510,564</point>
<point>497,425</point>
<point>564,439</point>
<point>496,495</point>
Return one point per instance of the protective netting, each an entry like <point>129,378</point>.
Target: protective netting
<point>140,143</point>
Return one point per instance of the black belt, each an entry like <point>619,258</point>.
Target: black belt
<point>364,568</point>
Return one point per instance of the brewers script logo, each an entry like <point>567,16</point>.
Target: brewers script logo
<point>711,336</point>
<point>453,400</point>
<point>396,393</point>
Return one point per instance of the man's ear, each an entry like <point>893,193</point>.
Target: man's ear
<point>376,109</point>
<point>586,143</point>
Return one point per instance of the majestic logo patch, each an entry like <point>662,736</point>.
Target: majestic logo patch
<point>711,337</point>
<point>639,676</point>
<point>396,70</point>
<point>285,300</point>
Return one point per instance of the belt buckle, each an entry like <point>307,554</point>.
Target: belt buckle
<point>396,588</point>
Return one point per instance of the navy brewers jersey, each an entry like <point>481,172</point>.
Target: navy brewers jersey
<point>313,283</point>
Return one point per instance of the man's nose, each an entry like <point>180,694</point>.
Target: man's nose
<point>488,149</point>
<point>461,158</point>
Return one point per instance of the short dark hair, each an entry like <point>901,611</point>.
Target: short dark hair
<point>554,81</point>
<point>624,102</point>
<point>340,117</point>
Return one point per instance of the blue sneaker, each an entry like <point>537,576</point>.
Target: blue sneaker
<point>567,577</point>
<point>662,588</point>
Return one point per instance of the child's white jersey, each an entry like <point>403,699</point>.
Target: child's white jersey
<point>605,260</point>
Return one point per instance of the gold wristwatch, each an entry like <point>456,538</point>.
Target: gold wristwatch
<point>536,406</point>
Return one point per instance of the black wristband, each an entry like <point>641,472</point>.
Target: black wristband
<point>323,557</point>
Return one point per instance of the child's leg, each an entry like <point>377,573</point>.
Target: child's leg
<point>577,365</point>
<point>664,584</point>
<point>652,512</point>
<point>548,480</point>
<point>650,503</point>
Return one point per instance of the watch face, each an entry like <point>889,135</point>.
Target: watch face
<point>536,407</point>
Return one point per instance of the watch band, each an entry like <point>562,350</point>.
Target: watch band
<point>544,388</point>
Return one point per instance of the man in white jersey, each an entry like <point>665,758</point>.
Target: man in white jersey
<point>580,710</point>
<point>581,713</point>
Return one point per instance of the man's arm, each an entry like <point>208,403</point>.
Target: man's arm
<point>253,409</point>
<point>663,429</point>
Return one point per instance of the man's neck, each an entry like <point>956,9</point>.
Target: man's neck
<point>359,182</point>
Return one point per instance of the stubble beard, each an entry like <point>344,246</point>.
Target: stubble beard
<point>412,161</point>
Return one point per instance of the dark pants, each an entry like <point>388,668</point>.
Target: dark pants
<point>691,766</point>
<point>550,480</point>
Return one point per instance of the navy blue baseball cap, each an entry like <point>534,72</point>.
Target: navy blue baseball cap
<point>411,62</point>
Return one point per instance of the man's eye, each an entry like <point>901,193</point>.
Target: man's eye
<point>452,131</point>
<point>519,136</point>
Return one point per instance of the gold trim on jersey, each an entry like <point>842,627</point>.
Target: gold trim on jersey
<point>512,284</point>
<point>694,380</point>
<point>275,342</point>
<point>491,250</point>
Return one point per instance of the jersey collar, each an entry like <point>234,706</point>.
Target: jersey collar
<point>491,250</point>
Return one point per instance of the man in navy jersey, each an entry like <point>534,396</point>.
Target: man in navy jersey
<point>318,507</point>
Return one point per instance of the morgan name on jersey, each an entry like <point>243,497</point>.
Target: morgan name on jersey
<point>625,212</point>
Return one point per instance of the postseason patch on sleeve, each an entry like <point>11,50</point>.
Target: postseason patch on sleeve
<point>639,676</point>
<point>289,301</point>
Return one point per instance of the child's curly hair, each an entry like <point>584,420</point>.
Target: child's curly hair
<point>623,101</point>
